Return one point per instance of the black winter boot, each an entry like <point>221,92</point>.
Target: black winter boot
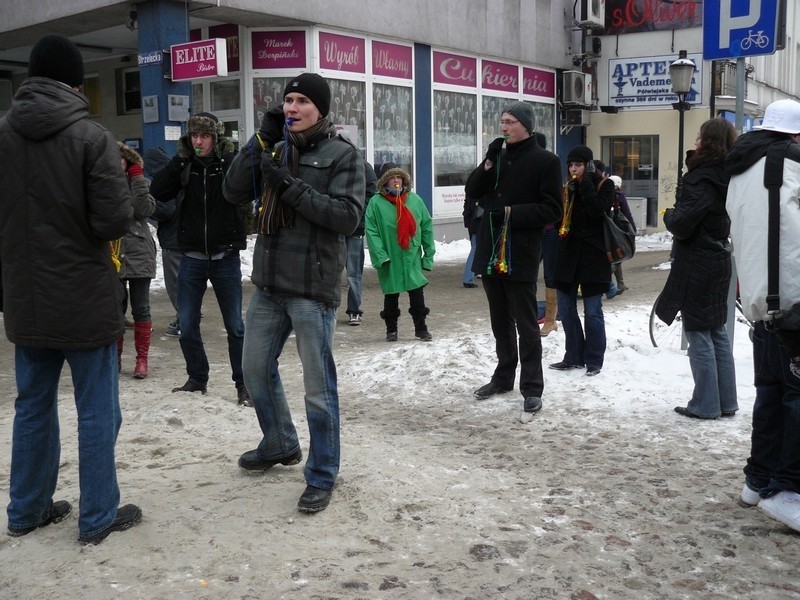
<point>420,328</point>
<point>390,317</point>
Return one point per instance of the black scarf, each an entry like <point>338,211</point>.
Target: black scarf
<point>274,213</point>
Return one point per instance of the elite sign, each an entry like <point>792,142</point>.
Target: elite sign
<point>734,28</point>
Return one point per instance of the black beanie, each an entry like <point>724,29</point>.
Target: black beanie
<point>523,112</point>
<point>58,58</point>
<point>314,87</point>
<point>580,154</point>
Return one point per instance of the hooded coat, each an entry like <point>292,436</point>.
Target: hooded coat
<point>399,270</point>
<point>138,250</point>
<point>64,199</point>
<point>698,280</point>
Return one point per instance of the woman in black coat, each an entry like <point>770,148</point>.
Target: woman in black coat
<point>582,261</point>
<point>698,282</point>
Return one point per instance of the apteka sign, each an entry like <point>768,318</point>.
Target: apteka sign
<point>644,82</point>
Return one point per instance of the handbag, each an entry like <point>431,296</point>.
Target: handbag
<point>619,237</point>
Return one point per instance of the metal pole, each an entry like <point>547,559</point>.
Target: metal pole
<point>740,75</point>
<point>681,110</point>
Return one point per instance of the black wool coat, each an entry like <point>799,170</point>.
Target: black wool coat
<point>581,252</point>
<point>698,281</point>
<point>529,181</point>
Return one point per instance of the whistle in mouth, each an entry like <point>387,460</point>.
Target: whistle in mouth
<point>197,150</point>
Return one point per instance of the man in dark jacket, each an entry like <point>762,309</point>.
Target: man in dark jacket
<point>313,196</point>
<point>519,184</point>
<point>772,473</point>
<point>63,297</point>
<point>211,232</point>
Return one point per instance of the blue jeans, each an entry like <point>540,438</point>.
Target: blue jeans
<point>711,360</point>
<point>774,463</point>
<point>225,275</point>
<point>270,321</point>
<point>36,443</point>
<point>355,269</point>
<point>469,274</point>
<point>580,349</point>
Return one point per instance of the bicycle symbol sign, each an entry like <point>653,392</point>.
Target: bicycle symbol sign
<point>735,28</point>
<point>759,40</point>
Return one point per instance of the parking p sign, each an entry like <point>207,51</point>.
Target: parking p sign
<point>734,28</point>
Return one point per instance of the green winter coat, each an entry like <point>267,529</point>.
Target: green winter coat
<point>399,270</point>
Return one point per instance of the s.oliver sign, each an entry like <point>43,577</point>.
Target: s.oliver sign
<point>195,60</point>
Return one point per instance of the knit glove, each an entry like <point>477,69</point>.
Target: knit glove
<point>135,170</point>
<point>272,123</point>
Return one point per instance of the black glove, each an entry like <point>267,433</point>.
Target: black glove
<point>493,152</point>
<point>272,123</point>
<point>276,176</point>
<point>573,185</point>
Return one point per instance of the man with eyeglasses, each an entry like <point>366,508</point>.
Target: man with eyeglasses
<point>519,186</point>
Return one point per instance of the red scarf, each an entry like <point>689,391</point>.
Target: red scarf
<point>406,224</point>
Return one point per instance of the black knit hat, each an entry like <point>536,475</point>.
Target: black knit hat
<point>523,112</point>
<point>314,87</point>
<point>58,58</point>
<point>580,154</point>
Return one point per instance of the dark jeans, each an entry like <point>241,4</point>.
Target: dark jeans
<point>774,463</point>
<point>225,276</point>
<point>416,300</point>
<point>582,348</point>
<point>513,312</point>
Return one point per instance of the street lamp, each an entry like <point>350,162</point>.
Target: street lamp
<point>680,73</point>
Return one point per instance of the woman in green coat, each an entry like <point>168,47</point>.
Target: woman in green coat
<point>399,234</point>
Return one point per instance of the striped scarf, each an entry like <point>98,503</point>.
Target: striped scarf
<point>274,213</point>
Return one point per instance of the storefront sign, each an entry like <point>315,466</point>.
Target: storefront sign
<point>230,33</point>
<point>448,201</point>
<point>279,49</point>
<point>392,60</point>
<point>536,82</point>
<point>499,76</point>
<point>454,69</point>
<point>644,82</point>
<point>195,60</point>
<point>629,16</point>
<point>341,53</point>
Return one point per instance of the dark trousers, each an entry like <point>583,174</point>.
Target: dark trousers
<point>774,463</point>
<point>512,312</point>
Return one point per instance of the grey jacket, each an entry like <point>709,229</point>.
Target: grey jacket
<point>64,199</point>
<point>138,245</point>
<point>327,195</point>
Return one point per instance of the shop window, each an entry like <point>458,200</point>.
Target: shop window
<point>454,139</point>
<point>129,93</point>
<point>393,117</point>
<point>225,95</point>
<point>91,89</point>
<point>348,109</point>
<point>635,160</point>
<point>492,110</point>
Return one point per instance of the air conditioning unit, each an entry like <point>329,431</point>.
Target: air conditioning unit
<point>577,89</point>
<point>592,14</point>
<point>576,117</point>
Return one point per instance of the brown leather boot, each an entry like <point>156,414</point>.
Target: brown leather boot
<point>141,338</point>
<point>551,310</point>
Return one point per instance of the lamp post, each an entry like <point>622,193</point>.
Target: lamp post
<point>680,73</point>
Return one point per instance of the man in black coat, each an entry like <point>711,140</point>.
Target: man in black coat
<point>519,186</point>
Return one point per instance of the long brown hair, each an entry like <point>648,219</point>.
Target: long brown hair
<point>716,138</point>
